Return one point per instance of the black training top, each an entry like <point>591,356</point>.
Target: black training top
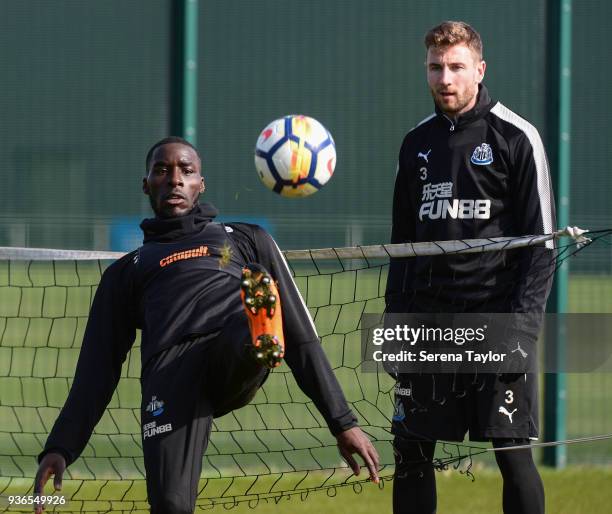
<point>171,288</point>
<point>482,175</point>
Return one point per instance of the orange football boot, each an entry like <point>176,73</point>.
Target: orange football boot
<point>263,309</point>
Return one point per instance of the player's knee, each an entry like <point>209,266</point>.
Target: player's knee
<point>171,504</point>
<point>412,471</point>
<point>512,459</point>
<point>515,466</point>
<point>411,462</point>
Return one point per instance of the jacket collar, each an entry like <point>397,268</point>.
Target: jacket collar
<point>169,229</point>
<point>482,107</point>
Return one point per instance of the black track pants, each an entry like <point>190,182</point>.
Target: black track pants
<point>183,388</point>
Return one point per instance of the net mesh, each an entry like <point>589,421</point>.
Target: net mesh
<point>277,446</point>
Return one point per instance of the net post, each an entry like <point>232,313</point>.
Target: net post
<point>183,87</point>
<point>559,125</point>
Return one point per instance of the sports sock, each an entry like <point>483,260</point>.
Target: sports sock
<point>523,489</point>
<point>414,483</point>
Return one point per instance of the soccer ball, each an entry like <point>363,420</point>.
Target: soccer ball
<point>295,156</point>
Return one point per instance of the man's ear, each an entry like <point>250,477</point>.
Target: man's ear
<point>482,66</point>
<point>202,186</point>
<point>145,186</point>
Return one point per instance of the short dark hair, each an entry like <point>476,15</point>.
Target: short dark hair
<point>450,33</point>
<point>167,141</point>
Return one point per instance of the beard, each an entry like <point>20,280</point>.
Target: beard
<point>456,103</point>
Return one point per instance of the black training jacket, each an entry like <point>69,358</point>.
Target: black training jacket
<point>482,175</point>
<point>170,292</point>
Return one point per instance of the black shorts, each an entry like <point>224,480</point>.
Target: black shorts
<point>446,406</point>
<point>183,388</point>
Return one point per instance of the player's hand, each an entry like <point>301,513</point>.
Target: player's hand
<point>51,464</point>
<point>354,440</point>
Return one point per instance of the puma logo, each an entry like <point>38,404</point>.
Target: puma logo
<point>424,155</point>
<point>520,350</point>
<point>502,410</point>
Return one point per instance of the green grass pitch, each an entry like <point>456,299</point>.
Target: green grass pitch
<point>576,490</point>
<point>42,317</point>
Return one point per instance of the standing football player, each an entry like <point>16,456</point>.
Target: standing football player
<point>473,169</point>
<point>207,297</point>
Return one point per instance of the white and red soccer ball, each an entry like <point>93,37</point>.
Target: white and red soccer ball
<point>295,156</point>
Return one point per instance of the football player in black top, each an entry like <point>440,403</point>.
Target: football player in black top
<point>473,169</point>
<point>195,288</point>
